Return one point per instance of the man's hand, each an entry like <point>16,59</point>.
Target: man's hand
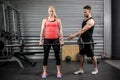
<point>70,36</point>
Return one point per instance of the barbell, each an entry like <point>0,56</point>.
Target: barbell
<point>73,43</point>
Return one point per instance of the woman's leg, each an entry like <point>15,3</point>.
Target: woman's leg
<point>56,49</point>
<point>46,54</point>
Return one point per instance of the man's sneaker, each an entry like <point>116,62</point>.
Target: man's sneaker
<point>95,72</point>
<point>79,72</point>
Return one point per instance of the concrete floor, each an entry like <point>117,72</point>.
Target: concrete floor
<point>115,63</point>
<point>12,71</point>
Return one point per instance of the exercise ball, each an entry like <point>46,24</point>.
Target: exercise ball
<point>68,58</point>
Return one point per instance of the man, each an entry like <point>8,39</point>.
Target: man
<point>86,35</point>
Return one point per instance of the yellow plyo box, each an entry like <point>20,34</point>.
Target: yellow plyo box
<point>70,50</point>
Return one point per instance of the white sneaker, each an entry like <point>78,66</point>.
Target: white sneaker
<point>95,72</point>
<point>79,72</point>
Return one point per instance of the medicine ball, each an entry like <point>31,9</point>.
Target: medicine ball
<point>67,58</point>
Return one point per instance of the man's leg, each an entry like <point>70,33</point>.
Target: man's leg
<point>82,59</point>
<point>94,60</point>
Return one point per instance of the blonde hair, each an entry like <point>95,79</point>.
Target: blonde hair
<point>53,8</point>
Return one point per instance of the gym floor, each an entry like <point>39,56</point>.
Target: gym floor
<point>12,71</point>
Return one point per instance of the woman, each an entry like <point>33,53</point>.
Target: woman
<point>49,31</point>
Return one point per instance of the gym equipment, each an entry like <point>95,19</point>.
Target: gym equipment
<point>22,44</point>
<point>2,32</point>
<point>11,35</point>
<point>6,35</point>
<point>69,50</point>
<point>21,56</point>
<point>1,45</point>
<point>89,61</point>
<point>67,58</point>
<point>104,56</point>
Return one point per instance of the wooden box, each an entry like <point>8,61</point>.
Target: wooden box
<point>70,50</point>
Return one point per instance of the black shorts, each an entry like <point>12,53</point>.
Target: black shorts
<point>87,50</point>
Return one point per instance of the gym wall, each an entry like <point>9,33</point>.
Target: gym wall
<point>69,11</point>
<point>115,29</point>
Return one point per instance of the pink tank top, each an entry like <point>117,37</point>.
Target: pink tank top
<point>51,29</point>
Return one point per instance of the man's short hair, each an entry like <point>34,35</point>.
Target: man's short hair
<point>87,7</point>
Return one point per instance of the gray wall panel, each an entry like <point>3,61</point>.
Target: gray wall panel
<point>107,28</point>
<point>69,11</point>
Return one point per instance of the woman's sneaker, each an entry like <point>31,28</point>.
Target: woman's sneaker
<point>44,75</point>
<point>59,75</point>
<point>79,72</point>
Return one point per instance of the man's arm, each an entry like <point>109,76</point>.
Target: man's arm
<point>89,24</point>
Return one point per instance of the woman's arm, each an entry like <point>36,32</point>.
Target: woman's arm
<point>42,31</point>
<point>61,31</point>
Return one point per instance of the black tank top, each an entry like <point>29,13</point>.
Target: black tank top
<point>87,36</point>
